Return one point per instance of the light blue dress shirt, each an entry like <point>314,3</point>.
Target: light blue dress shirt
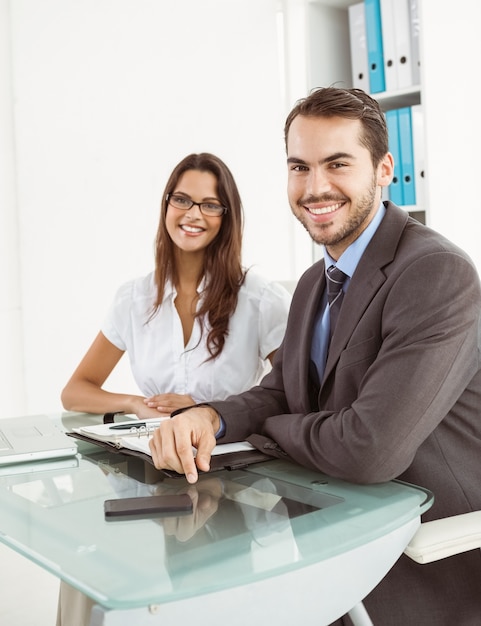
<point>347,263</point>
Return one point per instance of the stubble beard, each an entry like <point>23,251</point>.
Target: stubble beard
<point>355,224</point>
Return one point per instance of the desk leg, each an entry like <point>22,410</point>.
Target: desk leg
<point>359,616</point>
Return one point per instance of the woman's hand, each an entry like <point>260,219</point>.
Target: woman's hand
<point>137,406</point>
<point>166,403</point>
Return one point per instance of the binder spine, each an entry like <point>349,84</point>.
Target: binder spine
<point>417,119</point>
<point>357,34</point>
<point>407,157</point>
<point>389,45</point>
<point>374,46</point>
<point>403,60</point>
<point>415,30</point>
<point>395,188</point>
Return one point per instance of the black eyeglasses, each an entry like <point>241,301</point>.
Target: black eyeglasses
<point>210,209</point>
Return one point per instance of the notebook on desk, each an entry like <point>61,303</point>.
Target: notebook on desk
<point>32,438</point>
<point>132,438</point>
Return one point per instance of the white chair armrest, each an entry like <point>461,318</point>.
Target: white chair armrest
<point>445,537</point>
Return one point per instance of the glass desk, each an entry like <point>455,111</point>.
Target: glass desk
<point>270,539</point>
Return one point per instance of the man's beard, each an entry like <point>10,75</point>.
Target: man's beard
<point>351,229</point>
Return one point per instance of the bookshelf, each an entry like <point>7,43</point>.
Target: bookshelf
<point>397,99</point>
<point>328,52</point>
<point>332,18</point>
<point>322,27</point>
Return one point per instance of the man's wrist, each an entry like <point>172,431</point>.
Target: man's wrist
<point>222,427</point>
<point>218,423</point>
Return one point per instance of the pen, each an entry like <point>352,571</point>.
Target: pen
<point>133,425</point>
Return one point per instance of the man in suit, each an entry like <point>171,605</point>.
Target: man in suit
<point>399,393</point>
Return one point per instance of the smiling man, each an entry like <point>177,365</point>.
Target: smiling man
<point>334,187</point>
<point>396,391</point>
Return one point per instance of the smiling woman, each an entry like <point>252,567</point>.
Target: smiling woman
<point>184,324</point>
<point>199,327</point>
<point>96,127</point>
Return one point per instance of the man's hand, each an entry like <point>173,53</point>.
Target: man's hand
<point>205,498</point>
<point>172,443</point>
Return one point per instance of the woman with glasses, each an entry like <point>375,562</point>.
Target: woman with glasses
<point>199,327</point>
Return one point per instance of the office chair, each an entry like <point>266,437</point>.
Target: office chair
<point>433,541</point>
<point>445,537</point>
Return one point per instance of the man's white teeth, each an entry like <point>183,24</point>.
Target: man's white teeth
<point>191,229</point>
<point>326,209</point>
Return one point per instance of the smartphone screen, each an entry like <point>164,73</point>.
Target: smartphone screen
<point>148,506</point>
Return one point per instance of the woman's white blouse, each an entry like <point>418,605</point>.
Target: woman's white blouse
<point>161,364</point>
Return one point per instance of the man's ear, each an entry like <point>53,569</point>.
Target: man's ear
<point>385,170</point>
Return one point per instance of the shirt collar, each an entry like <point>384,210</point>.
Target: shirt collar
<point>349,259</point>
<point>171,291</point>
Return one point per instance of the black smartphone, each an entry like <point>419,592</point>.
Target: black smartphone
<point>148,506</point>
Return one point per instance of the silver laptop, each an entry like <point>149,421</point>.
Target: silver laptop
<point>33,438</point>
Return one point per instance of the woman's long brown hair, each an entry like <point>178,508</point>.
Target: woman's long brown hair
<point>222,262</point>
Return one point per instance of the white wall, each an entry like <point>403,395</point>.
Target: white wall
<point>99,99</point>
<point>451,52</point>
<point>12,387</point>
<point>108,96</point>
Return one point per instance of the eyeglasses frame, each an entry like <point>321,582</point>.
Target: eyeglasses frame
<point>199,204</point>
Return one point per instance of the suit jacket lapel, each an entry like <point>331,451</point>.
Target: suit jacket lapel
<point>367,279</point>
<point>307,323</point>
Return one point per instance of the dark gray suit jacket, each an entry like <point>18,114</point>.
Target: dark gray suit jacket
<point>400,397</point>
